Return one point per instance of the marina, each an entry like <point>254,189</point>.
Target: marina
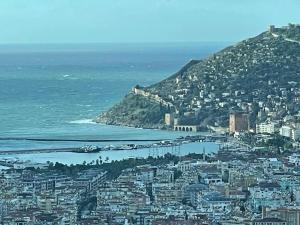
<point>130,146</point>
<point>70,156</point>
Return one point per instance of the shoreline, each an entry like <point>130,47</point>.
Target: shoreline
<point>208,128</point>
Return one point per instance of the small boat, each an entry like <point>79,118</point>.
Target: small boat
<point>88,149</point>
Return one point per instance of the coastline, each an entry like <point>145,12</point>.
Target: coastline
<point>104,121</point>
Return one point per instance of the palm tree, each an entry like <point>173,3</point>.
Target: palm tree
<point>100,159</point>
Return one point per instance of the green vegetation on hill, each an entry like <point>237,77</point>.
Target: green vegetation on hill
<point>136,111</point>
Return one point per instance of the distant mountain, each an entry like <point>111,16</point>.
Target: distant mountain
<point>259,76</point>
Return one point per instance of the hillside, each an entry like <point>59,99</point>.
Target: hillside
<point>260,74</point>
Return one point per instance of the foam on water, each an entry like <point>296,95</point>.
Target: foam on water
<point>83,121</point>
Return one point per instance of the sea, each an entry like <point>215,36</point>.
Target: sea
<point>56,90</point>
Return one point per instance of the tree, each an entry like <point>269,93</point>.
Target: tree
<point>177,174</point>
<point>292,196</point>
<point>242,208</point>
<point>51,165</point>
<point>186,217</point>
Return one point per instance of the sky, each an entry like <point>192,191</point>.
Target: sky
<point>122,21</point>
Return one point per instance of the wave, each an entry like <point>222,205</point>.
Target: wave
<point>83,121</point>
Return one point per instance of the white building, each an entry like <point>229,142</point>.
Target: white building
<point>291,132</point>
<point>296,134</point>
<point>266,128</point>
<point>184,166</point>
<point>286,131</point>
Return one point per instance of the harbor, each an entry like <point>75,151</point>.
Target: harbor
<point>180,147</point>
<point>132,145</point>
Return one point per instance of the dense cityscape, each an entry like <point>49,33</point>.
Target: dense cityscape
<point>243,183</point>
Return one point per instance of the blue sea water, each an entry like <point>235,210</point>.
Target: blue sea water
<point>54,91</point>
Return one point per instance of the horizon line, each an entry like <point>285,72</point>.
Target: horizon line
<point>117,43</point>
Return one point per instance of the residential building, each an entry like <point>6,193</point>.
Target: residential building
<point>266,128</point>
<point>238,122</point>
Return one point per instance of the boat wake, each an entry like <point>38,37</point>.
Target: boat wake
<point>83,121</point>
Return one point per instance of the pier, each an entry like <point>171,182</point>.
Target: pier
<point>33,151</point>
<point>75,140</point>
